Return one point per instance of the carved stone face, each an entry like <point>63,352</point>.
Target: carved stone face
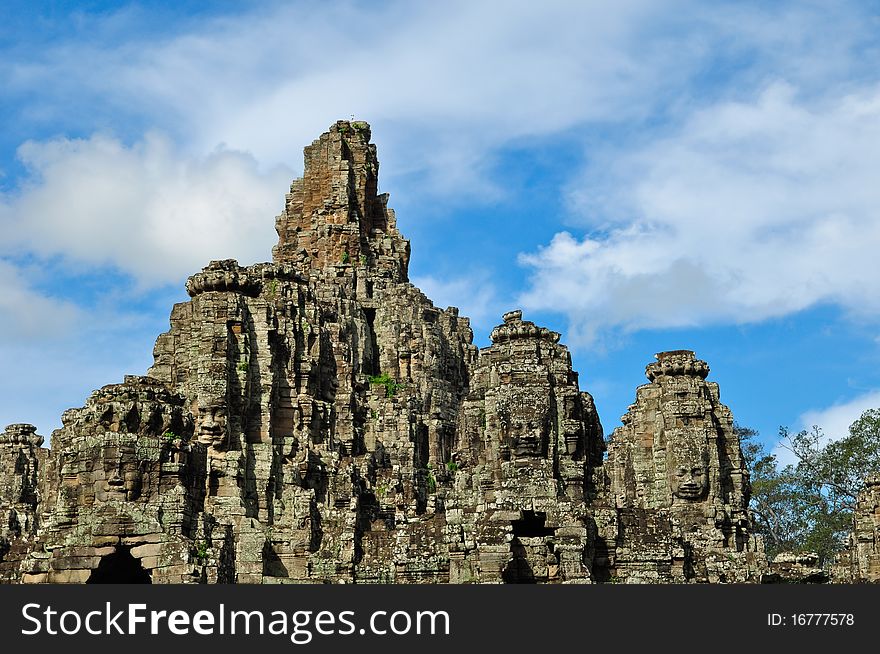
<point>690,480</point>
<point>212,427</point>
<point>525,438</point>
<point>122,477</point>
<point>689,470</point>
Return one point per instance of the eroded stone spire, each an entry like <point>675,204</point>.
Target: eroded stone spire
<point>334,215</point>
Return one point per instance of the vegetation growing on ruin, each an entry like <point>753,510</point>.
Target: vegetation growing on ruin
<point>391,385</point>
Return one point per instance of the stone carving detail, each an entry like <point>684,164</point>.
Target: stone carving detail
<point>515,327</point>
<point>103,487</point>
<point>529,445</point>
<point>223,276</point>
<point>795,568</point>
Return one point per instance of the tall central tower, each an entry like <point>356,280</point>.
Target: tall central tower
<point>334,213</point>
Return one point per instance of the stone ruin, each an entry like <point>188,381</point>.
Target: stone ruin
<point>860,562</point>
<point>678,488</point>
<point>318,419</point>
<point>865,538</point>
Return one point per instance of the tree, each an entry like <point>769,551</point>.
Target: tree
<point>808,505</point>
<point>775,497</point>
<point>840,466</point>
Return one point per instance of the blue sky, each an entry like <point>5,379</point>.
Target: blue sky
<point>639,175</point>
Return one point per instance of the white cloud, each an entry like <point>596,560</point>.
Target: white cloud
<point>54,352</point>
<point>447,84</point>
<point>28,315</point>
<point>475,296</point>
<point>751,210</point>
<point>834,421</point>
<point>146,208</point>
<point>447,88</point>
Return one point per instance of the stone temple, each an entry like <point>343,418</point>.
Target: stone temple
<point>317,419</point>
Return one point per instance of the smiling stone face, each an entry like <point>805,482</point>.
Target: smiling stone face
<point>122,477</point>
<point>212,426</point>
<point>689,480</point>
<point>526,438</point>
<point>688,468</point>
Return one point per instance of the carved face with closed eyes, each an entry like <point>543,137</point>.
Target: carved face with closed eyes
<point>689,472</point>
<point>212,426</point>
<point>118,473</point>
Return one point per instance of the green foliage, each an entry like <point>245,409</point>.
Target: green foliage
<point>391,385</point>
<point>359,125</point>
<point>374,414</point>
<point>170,436</point>
<point>272,290</point>
<point>363,260</point>
<point>243,366</point>
<point>200,551</point>
<point>451,466</point>
<point>808,505</point>
<point>345,257</point>
<point>432,481</point>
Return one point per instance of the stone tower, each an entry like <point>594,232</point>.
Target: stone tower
<point>529,445</point>
<point>678,483</point>
<point>864,546</point>
<point>334,214</point>
<point>21,459</point>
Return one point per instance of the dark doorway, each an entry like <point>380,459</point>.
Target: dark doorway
<point>120,567</point>
<point>373,369</point>
<point>532,525</point>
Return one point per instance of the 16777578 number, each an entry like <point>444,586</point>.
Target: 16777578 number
<point>811,620</point>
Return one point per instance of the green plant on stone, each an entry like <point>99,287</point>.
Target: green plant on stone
<point>363,260</point>
<point>451,466</point>
<point>391,385</point>
<point>169,436</point>
<point>243,366</point>
<point>432,482</point>
<point>345,257</point>
<point>200,550</point>
<point>273,288</point>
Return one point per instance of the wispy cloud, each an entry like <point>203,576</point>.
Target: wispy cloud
<point>833,420</point>
<point>446,85</point>
<point>751,210</point>
<point>475,295</point>
<point>29,315</point>
<point>145,209</point>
